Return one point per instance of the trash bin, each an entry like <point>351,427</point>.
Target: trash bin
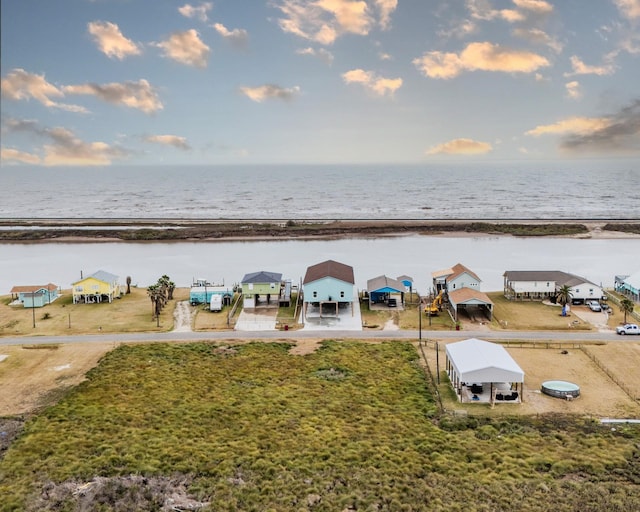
<point>457,327</point>
<point>286,327</point>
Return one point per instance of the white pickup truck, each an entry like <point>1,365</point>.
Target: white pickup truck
<point>628,329</point>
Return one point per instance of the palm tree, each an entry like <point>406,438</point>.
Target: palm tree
<point>626,306</point>
<point>152,291</point>
<point>564,295</point>
<point>128,284</point>
<point>171,287</point>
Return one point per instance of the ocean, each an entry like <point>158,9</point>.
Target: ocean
<point>590,189</point>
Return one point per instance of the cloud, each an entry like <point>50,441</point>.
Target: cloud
<point>535,6</point>
<point>67,149</point>
<point>139,95</point>
<point>186,48</point>
<point>580,68</point>
<point>573,125</point>
<point>618,132</point>
<point>482,10</point>
<point>460,147</point>
<point>630,9</point>
<point>539,37</point>
<point>9,155</point>
<point>269,91</point>
<point>379,86</point>
<point>386,9</point>
<point>573,90</point>
<point>479,57</point>
<point>169,140</point>
<point>110,40</point>
<point>323,21</point>
<point>63,147</point>
<point>237,37</point>
<point>322,54</point>
<point>201,11</point>
<point>21,85</point>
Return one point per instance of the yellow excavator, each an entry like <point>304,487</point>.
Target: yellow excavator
<point>435,306</point>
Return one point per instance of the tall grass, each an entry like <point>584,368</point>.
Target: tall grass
<point>351,426</point>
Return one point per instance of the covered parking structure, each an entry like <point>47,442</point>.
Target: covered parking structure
<point>473,302</point>
<point>386,291</point>
<point>480,371</point>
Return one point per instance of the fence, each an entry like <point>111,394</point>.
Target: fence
<point>614,298</point>
<point>609,373</point>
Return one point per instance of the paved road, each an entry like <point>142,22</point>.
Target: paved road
<point>293,335</point>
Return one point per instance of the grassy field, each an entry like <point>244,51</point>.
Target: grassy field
<point>520,315</point>
<point>131,313</point>
<point>352,426</point>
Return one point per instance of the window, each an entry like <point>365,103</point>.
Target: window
<point>78,288</point>
<point>95,287</point>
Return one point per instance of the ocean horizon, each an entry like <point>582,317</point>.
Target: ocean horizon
<point>589,189</point>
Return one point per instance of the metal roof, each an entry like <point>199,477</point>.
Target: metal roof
<point>477,360</point>
<point>384,284</point>
<point>557,276</point>
<point>262,277</point>
<point>101,275</point>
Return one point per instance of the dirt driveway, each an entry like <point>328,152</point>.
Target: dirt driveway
<point>596,318</point>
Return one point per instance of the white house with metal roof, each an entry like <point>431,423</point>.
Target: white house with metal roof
<point>544,284</point>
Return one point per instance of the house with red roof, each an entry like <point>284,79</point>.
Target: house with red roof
<point>35,296</point>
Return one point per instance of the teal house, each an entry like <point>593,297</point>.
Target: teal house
<point>35,296</point>
<point>329,283</point>
<point>629,286</point>
<point>260,287</point>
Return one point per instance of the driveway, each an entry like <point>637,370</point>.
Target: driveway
<point>345,321</point>
<point>257,320</point>
<point>596,318</point>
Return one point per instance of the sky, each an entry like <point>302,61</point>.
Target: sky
<point>163,82</point>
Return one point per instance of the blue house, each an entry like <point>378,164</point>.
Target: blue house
<point>329,283</point>
<point>385,290</point>
<point>202,291</point>
<point>35,296</point>
<point>629,286</point>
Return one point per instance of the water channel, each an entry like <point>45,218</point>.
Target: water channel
<point>597,260</point>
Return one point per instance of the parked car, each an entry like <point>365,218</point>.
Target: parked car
<point>595,306</point>
<point>628,329</point>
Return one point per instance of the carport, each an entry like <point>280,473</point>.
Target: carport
<point>480,371</point>
<point>386,291</point>
<point>472,302</point>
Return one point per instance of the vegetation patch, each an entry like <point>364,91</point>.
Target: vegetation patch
<point>332,373</point>
<point>623,227</point>
<point>265,430</point>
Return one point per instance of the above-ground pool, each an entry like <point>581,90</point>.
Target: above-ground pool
<point>561,389</point>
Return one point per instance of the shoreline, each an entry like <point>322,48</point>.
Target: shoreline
<point>227,230</point>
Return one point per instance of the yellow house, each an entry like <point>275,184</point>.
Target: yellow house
<point>98,287</point>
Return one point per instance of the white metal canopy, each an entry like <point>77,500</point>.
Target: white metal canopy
<point>476,360</point>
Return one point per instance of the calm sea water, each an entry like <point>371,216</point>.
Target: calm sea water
<point>591,189</point>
